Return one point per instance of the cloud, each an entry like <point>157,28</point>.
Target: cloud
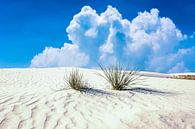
<point>148,42</point>
<point>68,55</point>
<point>179,67</point>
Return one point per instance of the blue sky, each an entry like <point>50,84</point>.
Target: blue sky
<point>28,26</point>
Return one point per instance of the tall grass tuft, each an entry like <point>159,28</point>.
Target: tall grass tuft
<point>119,77</point>
<point>75,80</point>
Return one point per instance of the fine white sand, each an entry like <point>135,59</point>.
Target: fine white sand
<point>33,99</point>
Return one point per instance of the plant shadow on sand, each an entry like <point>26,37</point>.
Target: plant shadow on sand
<point>88,91</point>
<point>145,90</point>
<point>92,91</point>
<point>133,91</point>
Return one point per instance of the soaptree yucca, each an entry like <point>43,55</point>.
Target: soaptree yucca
<point>75,80</point>
<point>120,77</point>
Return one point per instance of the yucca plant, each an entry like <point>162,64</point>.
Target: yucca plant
<point>75,80</point>
<point>119,77</point>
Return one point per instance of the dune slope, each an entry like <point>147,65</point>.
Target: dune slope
<point>33,99</point>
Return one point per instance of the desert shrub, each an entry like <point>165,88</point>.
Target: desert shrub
<point>75,80</point>
<point>119,77</point>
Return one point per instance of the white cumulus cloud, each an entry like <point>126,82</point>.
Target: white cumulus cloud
<point>68,55</point>
<point>148,42</point>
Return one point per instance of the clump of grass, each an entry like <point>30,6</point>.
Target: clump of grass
<point>119,77</point>
<point>75,80</point>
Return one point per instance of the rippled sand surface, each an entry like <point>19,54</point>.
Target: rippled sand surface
<point>33,99</point>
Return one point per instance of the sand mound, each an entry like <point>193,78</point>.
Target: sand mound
<point>33,99</point>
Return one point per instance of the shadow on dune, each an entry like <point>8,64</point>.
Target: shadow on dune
<point>149,91</point>
<point>92,91</point>
<point>86,90</point>
<point>133,91</point>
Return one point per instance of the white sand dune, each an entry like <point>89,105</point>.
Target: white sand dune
<point>32,99</point>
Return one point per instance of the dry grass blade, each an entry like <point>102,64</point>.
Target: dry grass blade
<point>75,80</point>
<point>119,77</point>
